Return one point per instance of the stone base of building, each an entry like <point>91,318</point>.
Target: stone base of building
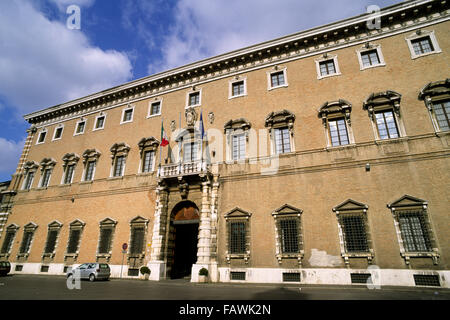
<point>310,276</point>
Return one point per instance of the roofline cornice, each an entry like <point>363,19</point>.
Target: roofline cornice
<point>187,72</point>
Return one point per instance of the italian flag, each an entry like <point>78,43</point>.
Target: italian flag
<point>164,139</point>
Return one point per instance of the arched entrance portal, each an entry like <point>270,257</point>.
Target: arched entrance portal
<point>184,225</point>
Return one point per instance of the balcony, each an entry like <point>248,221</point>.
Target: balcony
<point>183,169</point>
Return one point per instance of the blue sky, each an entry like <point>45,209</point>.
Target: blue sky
<point>44,63</point>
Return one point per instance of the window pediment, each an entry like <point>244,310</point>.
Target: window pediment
<point>70,158</point>
<point>47,163</point>
<point>241,123</point>
<point>149,143</point>
<point>77,224</point>
<point>407,201</point>
<point>287,209</point>
<point>119,149</point>
<point>386,98</point>
<point>55,224</point>
<point>341,107</point>
<point>139,221</point>
<point>283,117</point>
<point>435,89</point>
<point>91,154</point>
<point>31,226</point>
<point>108,222</point>
<point>237,213</point>
<point>350,206</point>
<point>31,165</point>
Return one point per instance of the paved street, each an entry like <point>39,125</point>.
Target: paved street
<point>32,287</point>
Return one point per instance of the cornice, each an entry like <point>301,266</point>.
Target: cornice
<point>394,19</point>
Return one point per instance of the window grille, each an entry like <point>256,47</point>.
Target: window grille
<point>133,272</point>
<point>414,231</point>
<point>422,45</point>
<point>289,235</point>
<point>26,242</point>
<point>105,240</point>
<point>291,277</point>
<point>51,241</point>
<point>7,243</point>
<point>237,275</point>
<point>442,112</point>
<point>338,132</point>
<point>354,232</point>
<point>282,140</point>
<point>44,268</point>
<point>74,239</point>
<point>137,240</point>
<point>237,237</point>
<point>427,280</point>
<point>18,267</point>
<point>387,127</point>
<point>360,277</point>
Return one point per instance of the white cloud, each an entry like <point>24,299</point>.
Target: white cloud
<point>9,157</point>
<point>205,28</point>
<point>44,63</point>
<point>63,4</point>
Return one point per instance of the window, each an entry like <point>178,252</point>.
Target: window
<point>154,108</point>
<point>27,239</point>
<point>335,117</point>
<point>119,152</point>
<point>30,168</point>
<point>288,236</point>
<point>107,227</point>
<point>422,43</point>
<point>70,161</point>
<point>8,241</point>
<point>52,237</point>
<point>119,166</point>
<point>41,136</point>
<point>282,140</point>
<point>100,122</point>
<point>239,146</point>
<point>370,56</point>
<point>327,66</point>
<point>80,126</point>
<point>147,148</point>
<point>386,125</point>
<point>238,244</point>
<point>384,113</point>
<point>28,180</point>
<point>237,132</point>
<point>190,151</point>
<point>237,87</point>
<point>45,176</point>
<point>90,158</point>
<point>127,114</point>
<point>281,125</point>
<point>437,100</point>
<point>138,229</point>
<point>354,236</point>
<point>73,243</point>
<point>277,78</point>
<point>194,99</point>
<point>415,236</point>
<point>58,133</point>
<point>89,173</point>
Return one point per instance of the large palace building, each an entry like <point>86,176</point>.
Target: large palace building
<point>321,157</point>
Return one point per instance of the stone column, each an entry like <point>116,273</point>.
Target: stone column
<point>157,264</point>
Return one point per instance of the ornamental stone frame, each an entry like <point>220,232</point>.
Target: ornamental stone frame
<point>279,119</point>
<point>135,260</point>
<point>110,224</point>
<point>52,226</point>
<point>74,225</point>
<point>68,160</point>
<point>29,227</point>
<point>147,144</point>
<point>435,92</point>
<point>336,109</point>
<point>380,101</point>
<point>12,228</point>
<point>407,203</point>
<point>238,215</point>
<point>236,127</point>
<point>29,167</point>
<point>288,212</point>
<point>353,207</point>
<point>46,163</point>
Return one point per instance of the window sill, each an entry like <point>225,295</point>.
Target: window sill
<point>98,129</point>
<point>372,67</point>
<point>442,133</point>
<point>422,254</point>
<point>328,76</point>
<point>78,134</point>
<point>86,182</point>
<point>125,122</point>
<point>277,87</point>
<point>153,115</point>
<point>115,178</point>
<point>342,147</point>
<point>414,56</point>
<point>244,256</point>
<point>237,96</point>
<point>193,106</point>
<point>392,140</point>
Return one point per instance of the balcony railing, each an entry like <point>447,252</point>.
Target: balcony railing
<point>182,169</point>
